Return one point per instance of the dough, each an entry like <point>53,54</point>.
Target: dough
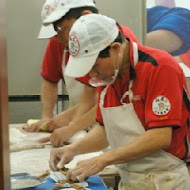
<point>43,127</point>
<point>32,121</point>
<point>15,136</point>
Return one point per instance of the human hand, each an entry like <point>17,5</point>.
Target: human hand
<point>86,168</point>
<point>51,125</point>
<point>59,136</point>
<point>61,156</point>
<point>35,126</point>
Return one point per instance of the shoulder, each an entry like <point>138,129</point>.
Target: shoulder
<point>157,58</point>
<point>54,43</point>
<point>128,33</point>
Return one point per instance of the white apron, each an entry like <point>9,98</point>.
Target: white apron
<point>74,88</point>
<point>159,171</point>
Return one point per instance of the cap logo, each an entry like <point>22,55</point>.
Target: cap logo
<point>48,9</point>
<point>161,105</point>
<point>74,45</point>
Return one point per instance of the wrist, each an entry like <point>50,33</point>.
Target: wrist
<point>73,127</point>
<point>75,149</point>
<point>105,160</point>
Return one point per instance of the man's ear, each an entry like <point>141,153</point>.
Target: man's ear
<point>115,46</point>
<point>86,12</point>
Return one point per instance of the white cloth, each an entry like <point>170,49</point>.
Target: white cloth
<point>74,87</point>
<point>159,171</point>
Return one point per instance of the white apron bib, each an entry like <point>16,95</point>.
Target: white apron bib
<point>74,88</point>
<point>159,171</point>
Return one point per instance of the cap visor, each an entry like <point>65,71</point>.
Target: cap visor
<point>47,32</point>
<point>79,67</point>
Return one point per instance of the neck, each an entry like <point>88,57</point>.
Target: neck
<point>125,63</point>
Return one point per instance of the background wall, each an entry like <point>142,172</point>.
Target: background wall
<point>130,13</point>
<point>25,53</point>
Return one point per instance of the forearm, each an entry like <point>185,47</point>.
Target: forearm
<point>48,98</point>
<point>94,141</point>
<point>148,143</point>
<point>83,122</point>
<point>65,117</point>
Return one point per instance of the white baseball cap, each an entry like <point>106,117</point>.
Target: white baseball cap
<point>64,6</point>
<point>89,35</point>
<point>54,10</point>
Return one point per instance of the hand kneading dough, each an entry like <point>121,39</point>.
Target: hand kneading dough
<point>32,121</point>
<point>43,127</point>
<point>15,136</point>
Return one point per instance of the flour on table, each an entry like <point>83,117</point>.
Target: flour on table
<point>15,136</point>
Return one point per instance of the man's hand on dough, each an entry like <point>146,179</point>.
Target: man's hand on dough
<point>51,125</point>
<point>35,125</point>
<point>59,136</point>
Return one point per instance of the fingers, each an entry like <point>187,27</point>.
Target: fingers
<point>44,139</point>
<point>61,163</point>
<point>54,159</point>
<point>59,157</point>
<point>77,174</point>
<point>57,138</point>
<point>56,141</point>
<point>52,125</point>
<point>85,168</point>
<point>31,128</point>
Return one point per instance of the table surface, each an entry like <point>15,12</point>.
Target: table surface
<point>24,161</point>
<point>31,155</point>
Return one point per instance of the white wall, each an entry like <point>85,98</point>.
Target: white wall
<point>130,13</point>
<point>25,51</point>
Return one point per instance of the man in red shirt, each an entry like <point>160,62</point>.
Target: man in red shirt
<point>81,114</point>
<point>55,59</point>
<point>143,113</point>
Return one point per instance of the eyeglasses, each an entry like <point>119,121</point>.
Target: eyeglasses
<point>57,28</point>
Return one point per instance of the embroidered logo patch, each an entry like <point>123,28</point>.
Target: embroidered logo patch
<point>74,45</point>
<point>161,105</point>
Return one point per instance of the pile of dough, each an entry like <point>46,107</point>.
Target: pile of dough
<point>15,136</point>
<point>43,127</point>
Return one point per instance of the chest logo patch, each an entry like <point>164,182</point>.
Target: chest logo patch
<point>161,105</point>
<point>74,45</point>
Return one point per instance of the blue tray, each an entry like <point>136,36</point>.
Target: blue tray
<point>94,182</point>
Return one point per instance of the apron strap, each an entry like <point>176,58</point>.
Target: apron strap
<point>65,51</point>
<point>128,93</point>
<point>102,96</point>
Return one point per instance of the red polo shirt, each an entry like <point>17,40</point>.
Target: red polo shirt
<point>159,87</point>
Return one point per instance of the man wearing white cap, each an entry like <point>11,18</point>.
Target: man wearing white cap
<point>55,59</point>
<point>59,15</point>
<point>143,113</point>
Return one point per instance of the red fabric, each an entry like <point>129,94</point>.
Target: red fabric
<point>52,61</point>
<point>185,58</point>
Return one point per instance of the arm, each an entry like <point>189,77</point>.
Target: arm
<point>85,109</point>
<point>80,117</point>
<point>48,99</point>
<point>148,143</point>
<point>95,140</point>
